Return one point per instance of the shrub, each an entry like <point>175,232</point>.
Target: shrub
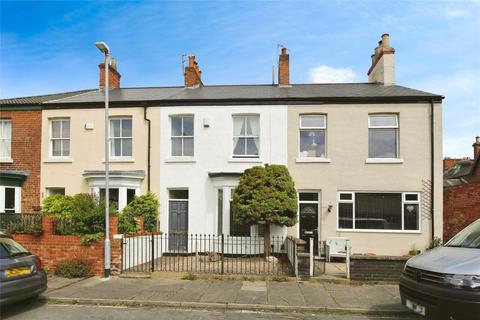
<point>76,268</point>
<point>436,242</point>
<point>82,214</point>
<point>145,206</point>
<point>57,205</point>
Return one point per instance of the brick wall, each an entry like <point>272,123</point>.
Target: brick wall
<point>461,206</point>
<point>53,248</point>
<point>376,268</point>
<point>26,139</point>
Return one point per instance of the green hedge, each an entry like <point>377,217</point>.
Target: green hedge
<point>146,206</point>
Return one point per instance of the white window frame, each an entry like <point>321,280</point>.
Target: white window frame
<point>111,138</point>
<point>18,198</point>
<point>402,230</point>
<point>52,139</point>
<point>7,158</point>
<point>182,116</point>
<point>301,128</point>
<point>397,136</point>
<point>245,115</point>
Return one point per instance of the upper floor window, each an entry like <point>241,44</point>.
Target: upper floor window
<point>121,137</point>
<point>5,138</point>
<point>313,136</point>
<point>60,137</point>
<point>246,136</point>
<point>182,136</point>
<point>383,136</point>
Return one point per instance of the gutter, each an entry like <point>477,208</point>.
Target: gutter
<point>432,165</point>
<point>149,145</point>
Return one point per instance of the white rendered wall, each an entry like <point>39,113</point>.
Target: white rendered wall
<point>213,153</point>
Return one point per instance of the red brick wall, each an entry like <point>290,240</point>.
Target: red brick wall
<point>55,248</point>
<point>26,143</point>
<point>461,206</point>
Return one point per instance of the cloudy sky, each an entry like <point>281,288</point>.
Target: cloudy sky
<point>48,47</point>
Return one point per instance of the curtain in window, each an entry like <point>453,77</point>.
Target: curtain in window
<point>5,138</point>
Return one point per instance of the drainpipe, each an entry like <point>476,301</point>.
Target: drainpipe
<point>149,145</point>
<point>432,164</point>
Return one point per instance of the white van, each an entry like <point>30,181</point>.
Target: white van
<point>444,283</point>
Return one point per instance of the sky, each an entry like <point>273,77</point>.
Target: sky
<point>49,47</point>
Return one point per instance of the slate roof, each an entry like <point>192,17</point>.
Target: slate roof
<point>37,100</point>
<point>233,93</point>
<point>460,172</point>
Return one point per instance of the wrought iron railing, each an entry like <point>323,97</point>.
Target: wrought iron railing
<point>201,253</point>
<point>20,222</point>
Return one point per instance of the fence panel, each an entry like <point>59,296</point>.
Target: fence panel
<point>203,253</point>
<point>20,222</point>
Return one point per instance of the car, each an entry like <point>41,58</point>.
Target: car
<point>444,283</point>
<point>21,273</point>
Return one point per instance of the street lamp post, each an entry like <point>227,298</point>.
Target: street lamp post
<point>103,47</point>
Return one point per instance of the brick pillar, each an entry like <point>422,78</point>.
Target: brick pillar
<point>48,225</point>
<point>303,260</point>
<point>113,226</point>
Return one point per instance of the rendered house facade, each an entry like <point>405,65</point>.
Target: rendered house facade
<point>363,156</point>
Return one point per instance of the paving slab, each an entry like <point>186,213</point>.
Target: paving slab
<point>285,294</point>
<point>316,295</point>
<point>252,292</point>
<point>192,291</point>
<point>222,291</point>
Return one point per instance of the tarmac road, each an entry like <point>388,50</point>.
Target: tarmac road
<point>34,310</point>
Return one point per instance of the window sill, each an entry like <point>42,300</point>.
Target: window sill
<point>120,160</point>
<point>58,160</point>
<point>384,160</point>
<point>247,160</point>
<point>308,160</point>
<point>379,231</point>
<point>6,160</point>
<point>181,160</point>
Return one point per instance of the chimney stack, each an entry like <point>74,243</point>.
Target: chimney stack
<point>113,75</point>
<point>284,69</point>
<point>192,74</point>
<point>383,66</point>
<point>476,148</point>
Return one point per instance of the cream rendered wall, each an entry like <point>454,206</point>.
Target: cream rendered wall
<point>347,148</point>
<point>87,148</point>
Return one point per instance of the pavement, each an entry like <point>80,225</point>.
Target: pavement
<point>222,295</point>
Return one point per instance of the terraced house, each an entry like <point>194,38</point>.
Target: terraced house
<point>366,157</point>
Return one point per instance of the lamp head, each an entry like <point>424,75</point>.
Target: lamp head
<point>103,47</point>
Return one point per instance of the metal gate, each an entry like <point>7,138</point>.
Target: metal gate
<point>200,253</point>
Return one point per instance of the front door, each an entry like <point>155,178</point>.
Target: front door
<point>308,217</point>
<point>178,226</point>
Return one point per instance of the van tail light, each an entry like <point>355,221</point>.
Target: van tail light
<point>39,265</point>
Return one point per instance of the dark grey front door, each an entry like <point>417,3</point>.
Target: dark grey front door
<point>178,225</point>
